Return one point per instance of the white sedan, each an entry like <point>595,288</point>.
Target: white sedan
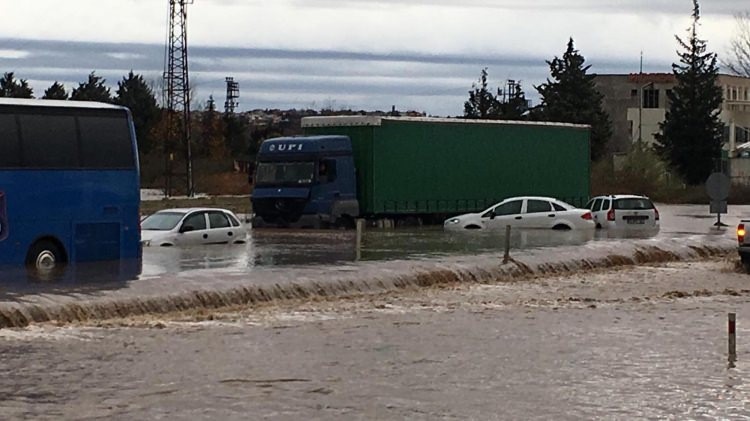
<point>525,212</point>
<point>192,226</point>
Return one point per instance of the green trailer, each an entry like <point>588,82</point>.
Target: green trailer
<point>433,167</point>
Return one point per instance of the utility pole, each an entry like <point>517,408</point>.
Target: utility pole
<point>177,99</point>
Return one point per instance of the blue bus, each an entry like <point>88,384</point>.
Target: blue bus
<point>69,185</point>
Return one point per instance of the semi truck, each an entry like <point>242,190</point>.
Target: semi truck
<point>413,170</point>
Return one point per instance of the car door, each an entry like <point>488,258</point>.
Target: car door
<point>193,230</point>
<point>507,213</point>
<point>220,229</point>
<point>537,214</point>
<point>595,210</point>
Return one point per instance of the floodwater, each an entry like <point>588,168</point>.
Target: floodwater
<point>643,342</point>
<point>278,247</point>
<point>293,248</point>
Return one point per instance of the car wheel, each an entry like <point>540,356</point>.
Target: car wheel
<point>45,261</point>
<point>561,227</point>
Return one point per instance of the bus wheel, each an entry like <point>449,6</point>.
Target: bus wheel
<point>45,261</point>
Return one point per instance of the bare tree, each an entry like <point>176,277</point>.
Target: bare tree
<point>739,49</point>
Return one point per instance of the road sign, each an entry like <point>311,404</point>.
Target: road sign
<point>717,186</point>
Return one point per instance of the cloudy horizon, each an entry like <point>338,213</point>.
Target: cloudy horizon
<point>420,55</point>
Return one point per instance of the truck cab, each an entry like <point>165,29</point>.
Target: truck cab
<point>305,181</point>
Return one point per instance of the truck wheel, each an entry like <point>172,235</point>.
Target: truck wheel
<point>345,222</point>
<point>45,261</point>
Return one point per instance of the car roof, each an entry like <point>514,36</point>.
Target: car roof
<point>529,197</point>
<point>620,196</point>
<point>188,210</point>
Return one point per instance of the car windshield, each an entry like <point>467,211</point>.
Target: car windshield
<point>285,172</point>
<point>161,221</point>
<point>633,204</point>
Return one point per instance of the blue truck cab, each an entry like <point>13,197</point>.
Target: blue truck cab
<point>305,181</point>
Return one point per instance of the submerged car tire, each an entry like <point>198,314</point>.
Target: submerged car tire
<point>345,222</point>
<point>561,227</point>
<point>45,261</point>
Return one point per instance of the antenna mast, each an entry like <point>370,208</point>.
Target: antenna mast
<point>177,99</point>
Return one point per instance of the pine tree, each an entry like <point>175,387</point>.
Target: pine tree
<point>133,92</point>
<point>482,104</point>
<point>12,88</point>
<point>212,131</point>
<point>92,90</point>
<point>573,98</point>
<point>691,134</point>
<point>55,91</point>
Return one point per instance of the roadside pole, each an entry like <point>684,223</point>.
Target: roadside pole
<point>506,257</point>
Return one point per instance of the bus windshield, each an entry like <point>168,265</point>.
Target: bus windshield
<point>285,173</point>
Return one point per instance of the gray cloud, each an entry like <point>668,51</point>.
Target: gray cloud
<point>269,78</point>
<point>725,7</point>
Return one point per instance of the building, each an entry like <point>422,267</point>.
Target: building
<point>638,102</point>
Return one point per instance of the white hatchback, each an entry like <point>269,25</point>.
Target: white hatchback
<point>525,212</point>
<point>624,212</point>
<point>192,226</point>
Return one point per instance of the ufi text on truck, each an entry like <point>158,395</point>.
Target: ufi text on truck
<point>409,170</point>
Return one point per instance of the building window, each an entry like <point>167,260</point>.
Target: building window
<point>650,98</point>
<point>633,93</point>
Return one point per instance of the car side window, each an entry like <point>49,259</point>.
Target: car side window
<point>196,220</point>
<point>605,204</point>
<point>558,208</point>
<point>537,206</point>
<point>509,208</point>
<point>597,205</point>
<point>233,220</point>
<point>218,220</point>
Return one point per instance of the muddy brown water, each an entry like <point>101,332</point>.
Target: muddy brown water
<point>640,342</point>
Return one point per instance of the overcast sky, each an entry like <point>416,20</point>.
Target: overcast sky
<point>360,54</point>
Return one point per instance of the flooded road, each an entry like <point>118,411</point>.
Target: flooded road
<point>644,342</point>
<point>279,247</point>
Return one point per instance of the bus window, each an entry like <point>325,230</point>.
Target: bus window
<point>105,142</point>
<point>49,141</point>
<point>10,150</point>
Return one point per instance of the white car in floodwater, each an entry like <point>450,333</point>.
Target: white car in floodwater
<point>624,212</point>
<point>525,212</point>
<point>192,226</point>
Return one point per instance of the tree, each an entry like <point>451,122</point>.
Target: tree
<point>12,88</point>
<point>212,131</point>
<point>133,92</point>
<point>573,98</point>
<point>690,137</point>
<point>236,135</point>
<point>482,104</point>
<point>739,47</point>
<point>55,91</point>
<point>92,90</point>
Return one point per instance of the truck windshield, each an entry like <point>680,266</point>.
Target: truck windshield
<point>285,172</point>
